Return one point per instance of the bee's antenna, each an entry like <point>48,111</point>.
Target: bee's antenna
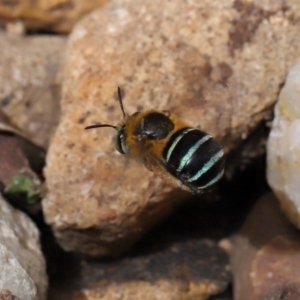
<point>108,125</point>
<point>121,101</point>
<point>101,125</point>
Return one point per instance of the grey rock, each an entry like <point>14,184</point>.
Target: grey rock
<point>22,265</point>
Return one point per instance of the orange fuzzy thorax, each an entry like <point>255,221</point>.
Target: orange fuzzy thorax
<point>140,146</point>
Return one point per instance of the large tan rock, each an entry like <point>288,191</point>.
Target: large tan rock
<point>212,62</point>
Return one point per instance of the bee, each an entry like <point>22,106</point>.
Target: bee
<point>187,156</point>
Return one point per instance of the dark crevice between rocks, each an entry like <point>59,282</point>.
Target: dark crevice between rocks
<point>49,32</point>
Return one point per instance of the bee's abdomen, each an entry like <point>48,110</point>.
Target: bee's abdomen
<point>195,158</point>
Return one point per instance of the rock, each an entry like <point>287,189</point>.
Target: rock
<point>57,15</point>
<point>163,274</point>
<point>275,270</point>
<point>7,295</point>
<point>30,83</point>
<point>283,152</point>
<point>265,255</point>
<point>205,61</point>
<point>22,265</point>
<point>21,164</point>
<point>13,161</point>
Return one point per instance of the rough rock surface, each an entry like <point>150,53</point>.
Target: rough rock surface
<point>283,150</point>
<point>265,255</point>
<point>211,62</point>
<point>54,15</point>
<point>163,274</point>
<point>7,295</point>
<point>30,83</point>
<point>13,161</point>
<point>275,270</point>
<point>22,265</point>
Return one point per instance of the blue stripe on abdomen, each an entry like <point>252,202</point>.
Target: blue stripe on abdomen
<point>212,181</point>
<point>194,157</point>
<point>187,157</point>
<point>175,140</point>
<point>208,165</point>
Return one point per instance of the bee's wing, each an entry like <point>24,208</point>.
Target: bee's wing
<point>154,165</point>
<point>158,167</point>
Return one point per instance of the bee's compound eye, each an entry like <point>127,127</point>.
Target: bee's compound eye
<point>120,141</point>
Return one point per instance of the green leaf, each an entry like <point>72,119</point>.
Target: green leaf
<point>21,184</point>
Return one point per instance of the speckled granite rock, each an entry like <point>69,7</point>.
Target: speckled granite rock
<point>54,15</point>
<point>265,255</point>
<point>22,265</point>
<point>211,62</point>
<point>30,83</point>
<point>283,150</point>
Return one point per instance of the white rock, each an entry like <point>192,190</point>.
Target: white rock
<point>283,149</point>
<point>22,265</point>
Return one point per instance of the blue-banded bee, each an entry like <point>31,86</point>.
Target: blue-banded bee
<point>168,146</point>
